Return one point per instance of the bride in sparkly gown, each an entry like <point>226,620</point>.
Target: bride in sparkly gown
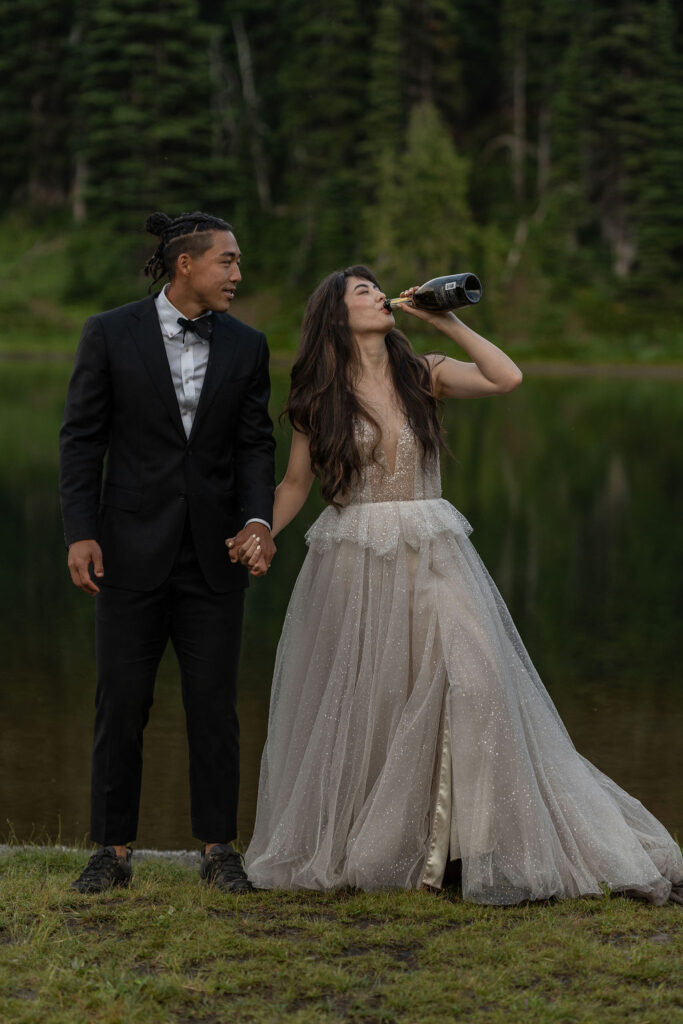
<point>407,724</point>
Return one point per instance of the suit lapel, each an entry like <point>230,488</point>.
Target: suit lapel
<point>222,356</point>
<point>146,333</point>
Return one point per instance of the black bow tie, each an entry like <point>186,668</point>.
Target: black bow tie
<point>203,327</point>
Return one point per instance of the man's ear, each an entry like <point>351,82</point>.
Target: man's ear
<point>183,264</point>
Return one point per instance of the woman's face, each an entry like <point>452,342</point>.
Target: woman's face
<point>365,307</point>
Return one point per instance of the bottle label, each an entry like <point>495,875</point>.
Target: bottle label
<point>450,285</point>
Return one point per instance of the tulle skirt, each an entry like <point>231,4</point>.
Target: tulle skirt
<point>408,724</point>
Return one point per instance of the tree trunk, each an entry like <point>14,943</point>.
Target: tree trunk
<point>519,120</point>
<point>543,152</point>
<point>251,102</point>
<point>78,207</point>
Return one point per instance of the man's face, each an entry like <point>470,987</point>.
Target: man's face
<point>213,276</point>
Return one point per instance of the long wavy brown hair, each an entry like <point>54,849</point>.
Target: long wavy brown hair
<point>322,401</point>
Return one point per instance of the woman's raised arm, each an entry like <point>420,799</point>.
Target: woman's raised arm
<point>491,372</point>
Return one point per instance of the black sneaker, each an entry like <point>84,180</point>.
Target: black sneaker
<point>223,867</point>
<point>104,870</point>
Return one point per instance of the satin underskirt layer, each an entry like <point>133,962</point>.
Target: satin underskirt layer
<point>408,724</point>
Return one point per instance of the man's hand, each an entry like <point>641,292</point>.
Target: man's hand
<point>254,547</point>
<point>81,554</point>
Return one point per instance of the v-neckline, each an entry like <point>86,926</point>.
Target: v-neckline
<point>392,472</point>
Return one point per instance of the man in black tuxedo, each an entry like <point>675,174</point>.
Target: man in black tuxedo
<point>174,391</point>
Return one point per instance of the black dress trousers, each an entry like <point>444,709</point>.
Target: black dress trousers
<point>132,631</point>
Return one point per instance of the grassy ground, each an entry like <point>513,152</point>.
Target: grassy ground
<point>32,277</point>
<point>169,949</point>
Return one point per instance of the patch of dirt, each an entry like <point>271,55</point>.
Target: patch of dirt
<point>280,932</point>
<point>273,930</point>
<point>145,969</point>
<point>404,955</point>
<point>619,939</point>
<point>323,916</point>
<point>24,993</point>
<point>75,923</point>
<point>366,1009</point>
<point>527,984</point>
<point>219,913</point>
<point>202,969</point>
<point>565,979</point>
<point>364,922</point>
<point>454,926</point>
<point>212,1019</point>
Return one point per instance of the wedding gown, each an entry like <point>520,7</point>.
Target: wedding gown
<point>408,725</point>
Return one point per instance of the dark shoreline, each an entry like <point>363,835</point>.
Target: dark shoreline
<point>533,368</point>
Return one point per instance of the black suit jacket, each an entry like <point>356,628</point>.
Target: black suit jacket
<point>121,404</point>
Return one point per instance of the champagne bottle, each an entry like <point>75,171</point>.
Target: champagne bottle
<point>450,292</point>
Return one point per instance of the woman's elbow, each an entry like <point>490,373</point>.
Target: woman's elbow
<point>295,485</point>
<point>512,380</point>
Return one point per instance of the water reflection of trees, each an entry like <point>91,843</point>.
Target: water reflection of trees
<point>575,492</point>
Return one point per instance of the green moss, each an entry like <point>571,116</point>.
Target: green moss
<point>170,949</point>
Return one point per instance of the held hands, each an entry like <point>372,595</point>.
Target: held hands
<point>254,547</point>
<point>81,554</point>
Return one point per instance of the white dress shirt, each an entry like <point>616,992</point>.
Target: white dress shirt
<point>188,357</point>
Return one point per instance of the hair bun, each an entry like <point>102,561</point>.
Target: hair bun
<point>157,223</point>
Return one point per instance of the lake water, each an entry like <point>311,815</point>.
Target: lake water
<point>575,491</point>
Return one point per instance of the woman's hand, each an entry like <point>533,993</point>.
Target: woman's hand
<point>438,320</point>
<point>253,546</point>
<point>252,555</point>
<point>491,372</point>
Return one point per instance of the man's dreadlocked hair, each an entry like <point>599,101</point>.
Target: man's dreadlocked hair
<point>190,232</point>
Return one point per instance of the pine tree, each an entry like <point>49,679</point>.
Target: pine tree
<point>423,225</point>
<point>36,92</point>
<point>385,121</point>
<point>294,121</point>
<point>247,107</point>
<point>658,199</point>
<point>323,85</point>
<point>628,133</point>
<point>145,128</point>
<point>431,30</point>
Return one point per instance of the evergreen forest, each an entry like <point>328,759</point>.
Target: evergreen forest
<point>538,143</point>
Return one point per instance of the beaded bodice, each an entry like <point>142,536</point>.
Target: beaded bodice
<point>410,479</point>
